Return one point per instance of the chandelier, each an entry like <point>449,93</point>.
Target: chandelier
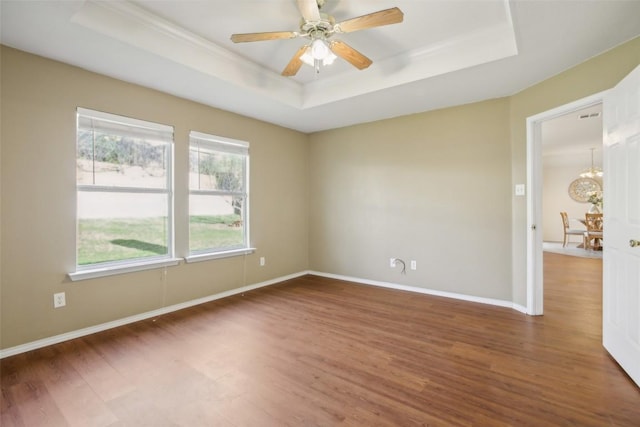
<point>592,172</point>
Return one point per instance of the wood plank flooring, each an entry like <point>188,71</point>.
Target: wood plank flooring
<point>321,352</point>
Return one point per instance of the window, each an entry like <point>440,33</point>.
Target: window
<point>124,192</point>
<point>218,171</point>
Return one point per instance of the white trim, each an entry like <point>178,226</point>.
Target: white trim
<point>117,189</point>
<point>463,297</point>
<point>247,202</point>
<point>219,255</point>
<point>23,348</point>
<point>122,269</point>
<point>521,308</point>
<point>217,193</point>
<point>535,280</point>
<point>534,218</point>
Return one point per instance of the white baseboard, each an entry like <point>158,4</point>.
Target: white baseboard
<point>470,298</point>
<point>11,351</point>
<point>23,348</point>
<point>520,308</point>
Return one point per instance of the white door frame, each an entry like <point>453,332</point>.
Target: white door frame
<point>535,288</point>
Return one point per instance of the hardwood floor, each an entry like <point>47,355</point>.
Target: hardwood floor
<point>320,352</point>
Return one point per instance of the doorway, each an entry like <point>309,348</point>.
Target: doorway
<point>535,222</point>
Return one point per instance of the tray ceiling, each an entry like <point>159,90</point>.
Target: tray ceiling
<point>444,53</point>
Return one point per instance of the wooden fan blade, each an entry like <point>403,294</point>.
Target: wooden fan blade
<point>294,65</point>
<point>258,37</point>
<point>349,54</point>
<point>309,10</point>
<point>375,19</point>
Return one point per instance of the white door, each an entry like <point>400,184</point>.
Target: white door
<point>621,254</point>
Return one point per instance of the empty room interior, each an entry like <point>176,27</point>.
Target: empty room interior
<point>319,213</point>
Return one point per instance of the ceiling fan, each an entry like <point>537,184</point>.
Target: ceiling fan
<point>319,28</point>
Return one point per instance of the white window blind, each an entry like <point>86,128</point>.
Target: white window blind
<point>97,121</point>
<point>218,143</point>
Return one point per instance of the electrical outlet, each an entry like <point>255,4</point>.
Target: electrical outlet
<point>414,265</point>
<point>262,261</point>
<point>59,300</point>
<point>392,262</point>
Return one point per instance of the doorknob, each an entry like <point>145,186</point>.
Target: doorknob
<point>634,243</point>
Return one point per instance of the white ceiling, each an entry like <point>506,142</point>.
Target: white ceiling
<point>445,52</point>
<point>567,140</point>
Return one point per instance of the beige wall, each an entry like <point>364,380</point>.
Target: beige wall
<point>432,187</point>
<point>39,98</point>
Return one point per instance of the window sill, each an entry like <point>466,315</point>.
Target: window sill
<point>219,255</point>
<point>111,271</point>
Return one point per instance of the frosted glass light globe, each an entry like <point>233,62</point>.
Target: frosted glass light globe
<point>319,49</point>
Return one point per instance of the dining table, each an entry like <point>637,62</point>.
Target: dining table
<point>597,241</point>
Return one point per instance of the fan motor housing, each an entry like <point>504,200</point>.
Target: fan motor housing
<point>324,26</point>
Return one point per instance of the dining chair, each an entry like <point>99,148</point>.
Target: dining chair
<point>568,231</point>
<point>593,235</point>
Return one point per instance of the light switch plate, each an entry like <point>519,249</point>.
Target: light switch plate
<point>519,189</point>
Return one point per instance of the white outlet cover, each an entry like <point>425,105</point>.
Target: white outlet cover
<point>59,300</point>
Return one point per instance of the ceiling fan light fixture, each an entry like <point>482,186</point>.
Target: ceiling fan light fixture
<point>319,49</point>
<point>309,58</point>
<point>318,28</point>
<point>328,60</point>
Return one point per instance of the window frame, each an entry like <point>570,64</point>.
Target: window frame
<point>137,128</point>
<point>226,145</point>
